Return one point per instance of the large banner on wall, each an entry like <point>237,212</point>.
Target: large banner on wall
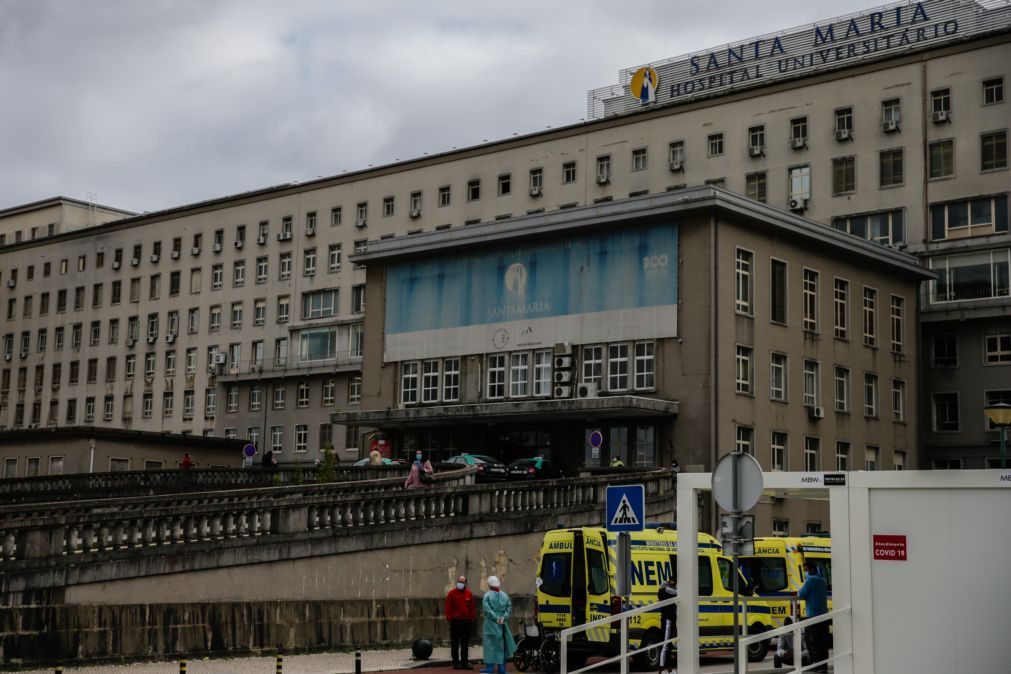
<point>598,287</point>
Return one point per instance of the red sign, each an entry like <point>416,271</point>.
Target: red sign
<point>890,547</point>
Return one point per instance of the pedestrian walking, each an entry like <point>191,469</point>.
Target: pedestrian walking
<point>668,624</point>
<point>498,641</point>
<point>814,592</point>
<point>186,463</point>
<point>460,614</point>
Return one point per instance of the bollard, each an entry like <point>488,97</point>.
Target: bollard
<point>280,663</point>
<point>182,666</point>
<point>358,662</point>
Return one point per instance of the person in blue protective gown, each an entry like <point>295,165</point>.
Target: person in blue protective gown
<point>498,640</point>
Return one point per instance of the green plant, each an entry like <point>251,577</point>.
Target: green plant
<point>327,471</point>
<point>298,475</point>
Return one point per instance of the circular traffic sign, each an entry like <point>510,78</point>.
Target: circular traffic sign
<point>596,439</point>
<point>737,482</point>
<point>249,450</point>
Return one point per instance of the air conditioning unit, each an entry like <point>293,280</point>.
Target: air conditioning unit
<point>798,143</point>
<point>798,204</point>
<point>563,377</point>
<point>155,258</point>
<point>7,356</point>
<point>940,116</point>
<point>563,392</point>
<point>603,178</point>
<point>676,165</point>
<point>816,412</point>
<point>536,190</point>
<point>890,126</point>
<point>843,134</point>
<point>194,251</point>
<point>415,212</point>
<point>240,243</point>
<point>587,390</point>
<point>129,342</point>
<point>134,262</point>
<point>216,248</point>
<point>151,339</point>
<point>562,349</point>
<point>563,362</point>
<point>174,255</point>
<point>115,264</point>
<point>220,358</point>
<point>361,222</point>
<point>11,283</point>
<point>756,150</point>
<point>170,338</point>
<point>284,236</point>
<point>261,240</point>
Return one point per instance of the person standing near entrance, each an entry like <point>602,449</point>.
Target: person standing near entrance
<point>498,641</point>
<point>461,614</point>
<point>814,592</point>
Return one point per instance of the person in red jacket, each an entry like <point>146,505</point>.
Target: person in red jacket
<point>460,614</point>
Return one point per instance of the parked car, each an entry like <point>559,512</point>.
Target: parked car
<point>537,468</point>
<point>489,468</point>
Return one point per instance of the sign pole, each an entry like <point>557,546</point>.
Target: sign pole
<point>735,520</point>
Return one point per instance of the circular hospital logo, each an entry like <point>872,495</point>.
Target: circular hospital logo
<point>500,339</point>
<point>516,278</point>
<point>643,85</point>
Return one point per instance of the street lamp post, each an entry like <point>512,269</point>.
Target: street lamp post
<point>1000,416</point>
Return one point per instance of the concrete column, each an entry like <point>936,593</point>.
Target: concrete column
<point>290,520</point>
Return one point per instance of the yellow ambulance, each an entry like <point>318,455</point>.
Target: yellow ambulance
<point>576,585</point>
<point>777,568</point>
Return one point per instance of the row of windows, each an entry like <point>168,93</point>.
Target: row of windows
<point>744,301</point>
<point>945,416</point>
<point>996,348</point>
<point>812,457</point>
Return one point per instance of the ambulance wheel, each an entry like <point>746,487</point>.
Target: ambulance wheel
<point>650,659</point>
<point>522,656</point>
<point>760,649</point>
<point>551,657</point>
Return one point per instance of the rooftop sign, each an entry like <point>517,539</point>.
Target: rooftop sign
<point>836,43</point>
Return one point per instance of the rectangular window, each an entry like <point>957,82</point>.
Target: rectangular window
<point>971,276</point>
<point>236,315</point>
<point>898,313</point>
<point>677,155</point>
<point>639,159</point>
<point>975,217</point>
<point>993,91</point>
<point>778,377</point>
<point>842,456</point>
<point>810,294</point>
<point>778,291</point>
<point>319,304</point>
<point>354,391</point>
<point>504,186</point>
<point>536,181</point>
<point>430,381</point>
<point>755,186</point>
<point>844,123</point>
<point>284,266</point>
<point>715,144</point>
<point>388,207</point>
<point>568,172</point>
<point>604,168</point>
<point>996,344</point>
<point>993,150</point>
<point>941,159</point>
<point>798,131</point>
<point>358,299</point>
<point>356,340</point>
<point>362,214</point>
<point>333,258</point>
<point>745,259</point>
<point>945,411</point>
<point>745,374</point>
<point>812,448</point>
<point>645,365</point>
<point>891,113</point>
<point>745,441</point>
<point>844,175</point>
<point>800,184</point>
<point>871,454</point>
<point>496,388</point>
<point>756,140</point>
<point>519,375</point>
<point>309,262</point>
<point>940,100</point>
<point>883,227</point>
<point>279,396</point>
<point>277,439</point>
<point>318,344</point>
<point>593,364</point>
<point>870,314</point>
<point>283,304</point>
<point>779,447</point>
<point>336,214</point>
<point>842,389</point>
<point>840,306</point>
<point>617,367</point>
<point>451,380</point>
<point>239,272</point>
<point>444,195</point>
<point>473,190</point>
<point>259,312</point>
<point>542,372</point>
<point>898,400</point>
<point>870,395</point>
<point>891,168</point>
<point>811,368</point>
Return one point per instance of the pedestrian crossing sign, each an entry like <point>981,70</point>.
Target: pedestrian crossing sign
<point>626,508</point>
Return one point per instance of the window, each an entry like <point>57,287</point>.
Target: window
<point>444,195</point>
<point>945,411</point>
<point>883,227</point>
<point>811,368</point>
<point>844,122</point>
<point>940,100</point>
<point>593,364</point>
<point>519,375</point>
<point>997,345</point>
<point>780,527</point>
<point>536,181</point>
<point>971,276</point>
<point>899,460</point>
<point>415,204</point>
<point>800,183</point>
<point>891,168</point>
<point>569,172</point>
<point>362,214</point>
<point>972,217</point>
<point>319,304</point>
<point>715,144</point>
<point>302,394</point>
<point>755,186</point>
<point>255,397</point>
<point>779,445</point>
<point>430,381</point>
<point>361,246</point>
<point>167,404</point>
<point>842,455</point>
<point>645,365</point>
<point>356,340</point>
<point>842,389</point>
<point>898,400</point>
<point>496,376</point>
<point>812,448</point>
<point>451,380</point>
<point>259,312</point>
<point>677,155</point>
<point>210,402</point>
<point>639,160</point>
<point>336,215</point>
<point>284,266</point>
<point>309,262</point>
<point>870,395</point>
<point>604,168</point>
<point>301,437</point>
<point>504,188</point>
<point>870,314</point>
<point>743,280</point>
<point>778,291</point>
<point>778,377</point>
<point>388,207</point>
<point>756,140</point>
<point>891,112</point>
<point>617,367</point>
<point>898,312</point>
<point>745,374</point>
<point>175,283</point>
<point>215,321</point>
<point>473,190</point>
<point>277,439</point>
<point>840,307</point>
<point>844,175</point>
<point>278,396</point>
<point>542,372</point>
<point>283,304</point>
<point>236,315</point>
<point>993,91</point>
<point>745,441</point>
<point>993,150</point>
<point>317,344</point>
<point>358,299</point>
<point>941,159</point>
<point>871,454</point>
<point>355,390</point>
<point>333,258</point>
<point>810,294</point>
<point>798,130</point>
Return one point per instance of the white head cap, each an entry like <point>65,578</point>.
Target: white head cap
<point>493,581</point>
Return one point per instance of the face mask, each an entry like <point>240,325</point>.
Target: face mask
<point>460,586</point>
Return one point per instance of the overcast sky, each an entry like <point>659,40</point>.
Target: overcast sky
<point>148,104</point>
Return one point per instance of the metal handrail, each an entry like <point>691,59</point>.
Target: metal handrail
<point>796,628</point>
<point>624,653</point>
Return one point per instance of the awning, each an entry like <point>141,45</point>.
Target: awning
<point>526,411</point>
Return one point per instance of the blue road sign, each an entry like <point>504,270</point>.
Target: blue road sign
<point>626,508</point>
